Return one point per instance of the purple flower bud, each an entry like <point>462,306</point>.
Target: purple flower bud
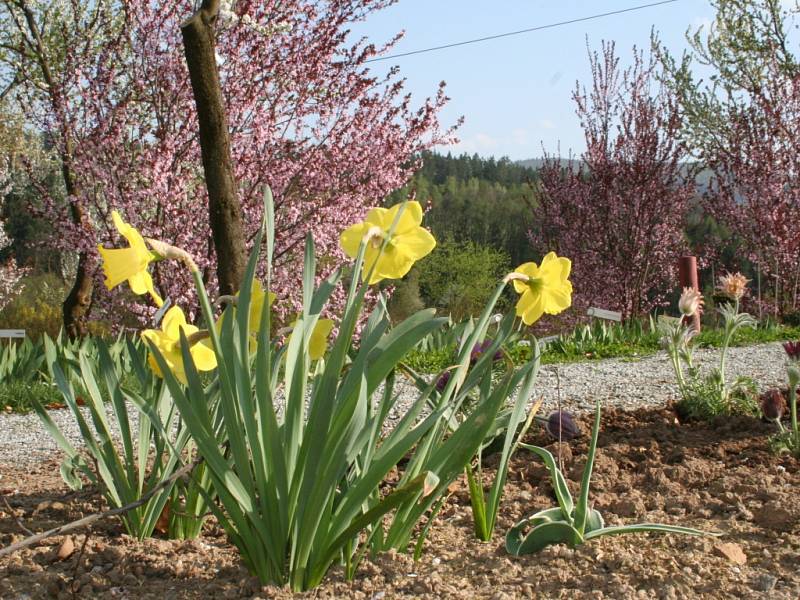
<point>480,348</point>
<point>792,350</point>
<point>564,422</point>
<point>441,383</point>
<point>773,405</point>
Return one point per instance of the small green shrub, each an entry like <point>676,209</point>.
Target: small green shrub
<point>430,361</point>
<point>458,278</point>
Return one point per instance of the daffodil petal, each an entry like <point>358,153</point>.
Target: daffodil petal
<point>530,307</point>
<point>371,256</point>
<point>141,283</point>
<point>529,269</point>
<point>318,343</point>
<point>416,243</point>
<point>556,300</point>
<point>554,268</point>
<point>131,234</point>
<point>410,218</point>
<point>394,263</point>
<point>173,320</point>
<point>119,265</point>
<point>350,239</point>
<point>378,217</point>
<point>203,357</point>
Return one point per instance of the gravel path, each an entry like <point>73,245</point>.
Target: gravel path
<point>626,383</point>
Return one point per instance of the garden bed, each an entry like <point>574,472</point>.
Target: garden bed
<point>717,476</point>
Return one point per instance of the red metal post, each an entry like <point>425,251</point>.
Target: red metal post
<point>687,271</point>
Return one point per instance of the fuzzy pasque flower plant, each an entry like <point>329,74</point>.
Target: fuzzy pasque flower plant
<point>706,395</point>
<point>786,440</point>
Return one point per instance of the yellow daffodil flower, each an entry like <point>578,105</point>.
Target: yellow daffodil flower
<point>543,288</point>
<point>257,296</point>
<point>408,243</point>
<point>318,343</point>
<point>168,342</point>
<point>129,264</point>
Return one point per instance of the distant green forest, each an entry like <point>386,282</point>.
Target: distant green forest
<point>480,210</point>
<point>486,201</point>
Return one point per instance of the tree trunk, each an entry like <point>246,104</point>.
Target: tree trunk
<point>76,304</point>
<point>225,212</point>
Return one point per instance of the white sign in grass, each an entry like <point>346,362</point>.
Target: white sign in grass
<point>12,333</point>
<point>601,313</point>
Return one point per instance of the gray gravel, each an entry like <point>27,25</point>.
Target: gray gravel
<point>625,383</point>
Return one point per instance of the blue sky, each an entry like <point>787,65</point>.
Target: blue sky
<point>515,92</point>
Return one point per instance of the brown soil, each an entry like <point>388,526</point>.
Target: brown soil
<point>717,476</point>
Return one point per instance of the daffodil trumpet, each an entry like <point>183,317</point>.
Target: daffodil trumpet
<point>543,288</point>
<point>394,240</point>
<point>129,264</point>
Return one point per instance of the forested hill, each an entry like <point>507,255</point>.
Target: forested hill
<point>483,200</point>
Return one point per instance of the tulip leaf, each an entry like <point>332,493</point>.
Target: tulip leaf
<point>556,532</point>
<point>563,495</point>
<point>648,527</point>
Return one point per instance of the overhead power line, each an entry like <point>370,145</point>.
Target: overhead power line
<point>529,30</point>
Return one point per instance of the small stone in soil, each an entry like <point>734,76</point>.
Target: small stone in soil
<point>764,582</point>
<point>732,552</point>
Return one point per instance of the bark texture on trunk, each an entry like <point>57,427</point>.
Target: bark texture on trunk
<point>76,305</point>
<point>225,212</point>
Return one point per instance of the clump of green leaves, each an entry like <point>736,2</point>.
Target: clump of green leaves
<point>117,456</point>
<point>571,522</point>
<point>298,449</point>
<point>19,396</point>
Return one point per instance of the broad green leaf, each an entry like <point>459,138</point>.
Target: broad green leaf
<point>559,482</point>
<point>518,542</point>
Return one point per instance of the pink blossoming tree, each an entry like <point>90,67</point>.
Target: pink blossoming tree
<point>306,118</point>
<point>743,123</point>
<point>618,210</point>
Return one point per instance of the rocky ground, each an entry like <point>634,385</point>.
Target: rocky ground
<point>718,477</point>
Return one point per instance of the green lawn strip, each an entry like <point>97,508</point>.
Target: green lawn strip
<point>647,345</point>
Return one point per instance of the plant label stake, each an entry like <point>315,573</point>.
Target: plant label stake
<point>687,273</point>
